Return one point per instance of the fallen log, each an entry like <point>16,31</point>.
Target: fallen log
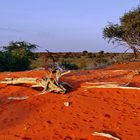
<point>18,81</point>
<point>110,85</point>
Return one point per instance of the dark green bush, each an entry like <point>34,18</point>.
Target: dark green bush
<point>69,66</point>
<point>17,56</point>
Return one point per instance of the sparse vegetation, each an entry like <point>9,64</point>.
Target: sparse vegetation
<point>91,60</point>
<point>19,56</point>
<point>69,66</point>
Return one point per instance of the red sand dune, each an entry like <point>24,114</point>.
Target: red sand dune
<point>45,117</point>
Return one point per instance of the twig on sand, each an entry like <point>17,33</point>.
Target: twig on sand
<point>105,135</point>
<point>18,98</point>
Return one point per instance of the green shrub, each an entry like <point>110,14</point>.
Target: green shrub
<point>69,66</point>
<point>17,56</point>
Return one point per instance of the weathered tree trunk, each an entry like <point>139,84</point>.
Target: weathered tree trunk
<point>49,84</point>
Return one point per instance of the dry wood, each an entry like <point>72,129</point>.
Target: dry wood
<point>17,81</point>
<point>18,98</point>
<point>105,135</point>
<point>49,84</point>
<point>109,85</point>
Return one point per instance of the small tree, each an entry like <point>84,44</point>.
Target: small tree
<point>17,56</point>
<point>127,32</point>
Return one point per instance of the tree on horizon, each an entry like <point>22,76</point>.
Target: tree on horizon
<point>127,33</point>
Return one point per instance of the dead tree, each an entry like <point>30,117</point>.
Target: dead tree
<point>49,84</point>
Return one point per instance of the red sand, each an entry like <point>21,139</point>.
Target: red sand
<point>44,117</point>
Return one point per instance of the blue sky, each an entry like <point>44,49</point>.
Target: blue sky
<point>61,25</point>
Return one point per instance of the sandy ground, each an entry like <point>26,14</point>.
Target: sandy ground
<point>109,110</point>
